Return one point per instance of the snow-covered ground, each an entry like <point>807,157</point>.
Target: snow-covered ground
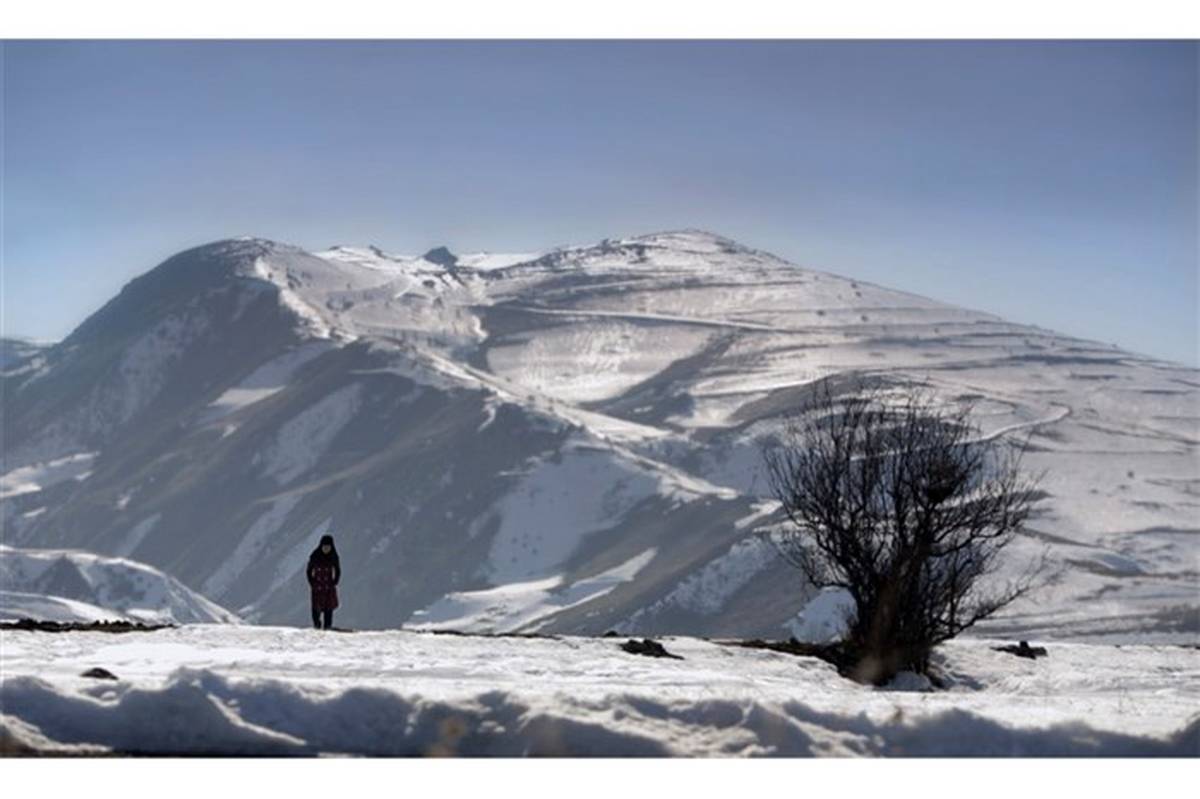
<point>33,478</point>
<point>281,691</point>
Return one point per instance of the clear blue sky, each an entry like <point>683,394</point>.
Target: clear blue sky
<point>1052,183</point>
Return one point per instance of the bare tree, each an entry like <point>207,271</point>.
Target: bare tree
<point>898,500</point>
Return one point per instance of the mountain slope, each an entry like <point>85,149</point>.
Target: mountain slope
<point>564,440</point>
<point>66,585</point>
<point>16,353</point>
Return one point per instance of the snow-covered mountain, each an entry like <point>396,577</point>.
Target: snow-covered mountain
<point>70,586</point>
<point>17,350</point>
<point>565,440</point>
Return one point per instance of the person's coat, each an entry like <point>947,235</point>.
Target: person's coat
<point>324,572</point>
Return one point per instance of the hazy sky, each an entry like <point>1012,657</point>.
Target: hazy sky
<point>1050,183</point>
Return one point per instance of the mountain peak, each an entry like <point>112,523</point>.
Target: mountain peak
<point>442,257</point>
<point>230,255</point>
<point>684,236</point>
<point>238,245</point>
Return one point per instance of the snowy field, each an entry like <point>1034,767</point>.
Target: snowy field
<point>226,689</point>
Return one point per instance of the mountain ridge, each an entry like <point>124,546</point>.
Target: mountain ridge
<point>257,246</point>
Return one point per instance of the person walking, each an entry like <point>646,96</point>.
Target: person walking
<point>324,572</point>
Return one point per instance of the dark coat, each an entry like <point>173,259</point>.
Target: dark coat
<point>324,572</point>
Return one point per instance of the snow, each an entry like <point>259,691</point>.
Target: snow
<point>486,261</point>
<point>707,590</point>
<point>591,360</point>
<point>304,438</point>
<point>365,257</point>
<point>252,544</point>
<point>70,585</point>
<point>517,606</point>
<point>759,511</point>
<point>347,293</point>
<point>43,607</point>
<point>638,316</point>
<point>137,535</point>
<point>277,691</point>
<point>35,477</point>
<point>561,501</point>
<point>143,370</point>
<point>311,320</point>
<point>824,618</point>
<point>265,381</point>
<point>605,427</point>
<point>25,354</point>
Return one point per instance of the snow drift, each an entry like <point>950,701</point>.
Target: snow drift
<point>270,691</point>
